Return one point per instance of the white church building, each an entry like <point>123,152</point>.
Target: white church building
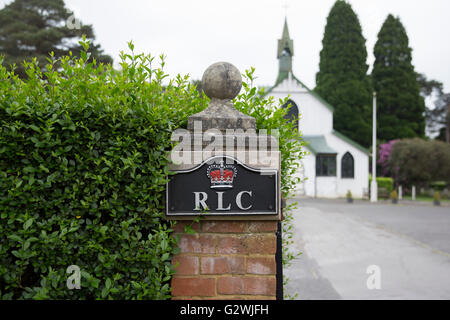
<point>335,164</point>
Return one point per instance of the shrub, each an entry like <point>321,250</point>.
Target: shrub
<point>437,196</point>
<point>417,162</point>
<point>384,156</point>
<point>438,185</point>
<point>384,182</point>
<point>394,195</point>
<point>83,168</point>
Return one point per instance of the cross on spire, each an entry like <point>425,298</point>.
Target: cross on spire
<point>286,7</point>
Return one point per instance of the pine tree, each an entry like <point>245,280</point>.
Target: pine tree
<point>342,78</point>
<point>401,108</point>
<point>34,28</point>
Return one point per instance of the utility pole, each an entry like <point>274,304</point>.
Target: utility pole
<point>374,185</point>
<point>447,129</point>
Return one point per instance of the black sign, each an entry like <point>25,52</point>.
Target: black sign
<point>223,186</point>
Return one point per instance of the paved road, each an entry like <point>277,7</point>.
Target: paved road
<point>409,243</point>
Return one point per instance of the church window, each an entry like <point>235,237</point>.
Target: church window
<point>292,114</point>
<point>348,166</point>
<point>326,165</point>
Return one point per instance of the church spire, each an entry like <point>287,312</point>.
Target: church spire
<point>285,53</point>
<point>285,43</point>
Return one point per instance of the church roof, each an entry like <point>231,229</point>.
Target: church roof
<point>350,141</point>
<point>284,75</point>
<point>318,145</point>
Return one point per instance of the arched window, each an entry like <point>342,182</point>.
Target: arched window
<point>292,113</point>
<point>347,166</point>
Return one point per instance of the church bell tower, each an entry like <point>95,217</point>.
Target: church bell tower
<point>285,51</point>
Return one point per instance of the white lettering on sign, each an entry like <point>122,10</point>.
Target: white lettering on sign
<point>239,200</point>
<point>220,202</point>
<point>200,199</point>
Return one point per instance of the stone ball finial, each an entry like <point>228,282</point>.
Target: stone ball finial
<point>222,80</point>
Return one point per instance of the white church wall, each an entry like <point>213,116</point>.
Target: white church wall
<point>315,117</point>
<point>360,182</point>
<point>326,187</point>
<point>334,187</point>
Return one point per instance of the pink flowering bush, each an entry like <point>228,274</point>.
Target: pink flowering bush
<point>384,156</point>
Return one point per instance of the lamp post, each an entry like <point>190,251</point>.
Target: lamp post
<point>373,185</point>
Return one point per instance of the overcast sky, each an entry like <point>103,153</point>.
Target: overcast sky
<point>194,34</point>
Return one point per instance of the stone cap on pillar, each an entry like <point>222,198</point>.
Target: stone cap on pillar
<point>221,82</point>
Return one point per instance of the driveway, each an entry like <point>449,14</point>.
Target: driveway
<point>402,251</point>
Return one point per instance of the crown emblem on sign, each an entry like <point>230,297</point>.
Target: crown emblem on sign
<point>221,175</point>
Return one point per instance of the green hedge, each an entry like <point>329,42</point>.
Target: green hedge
<point>83,169</point>
<point>384,182</point>
<point>438,185</point>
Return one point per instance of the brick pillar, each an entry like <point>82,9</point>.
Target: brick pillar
<point>226,260</point>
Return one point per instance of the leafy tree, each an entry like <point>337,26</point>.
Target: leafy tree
<point>342,78</point>
<point>401,108</point>
<point>34,28</point>
<point>438,118</point>
<point>428,87</point>
<point>418,161</point>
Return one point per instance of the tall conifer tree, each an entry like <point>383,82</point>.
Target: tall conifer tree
<point>342,78</point>
<point>401,108</point>
<point>34,28</point>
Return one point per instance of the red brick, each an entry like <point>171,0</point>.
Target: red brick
<point>262,226</point>
<point>197,243</point>
<point>261,286</point>
<point>261,265</point>
<point>180,225</point>
<point>224,226</point>
<point>203,287</point>
<point>247,244</point>
<point>223,265</point>
<point>247,285</point>
<point>230,285</point>
<point>261,244</point>
<point>232,245</point>
<point>187,265</point>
